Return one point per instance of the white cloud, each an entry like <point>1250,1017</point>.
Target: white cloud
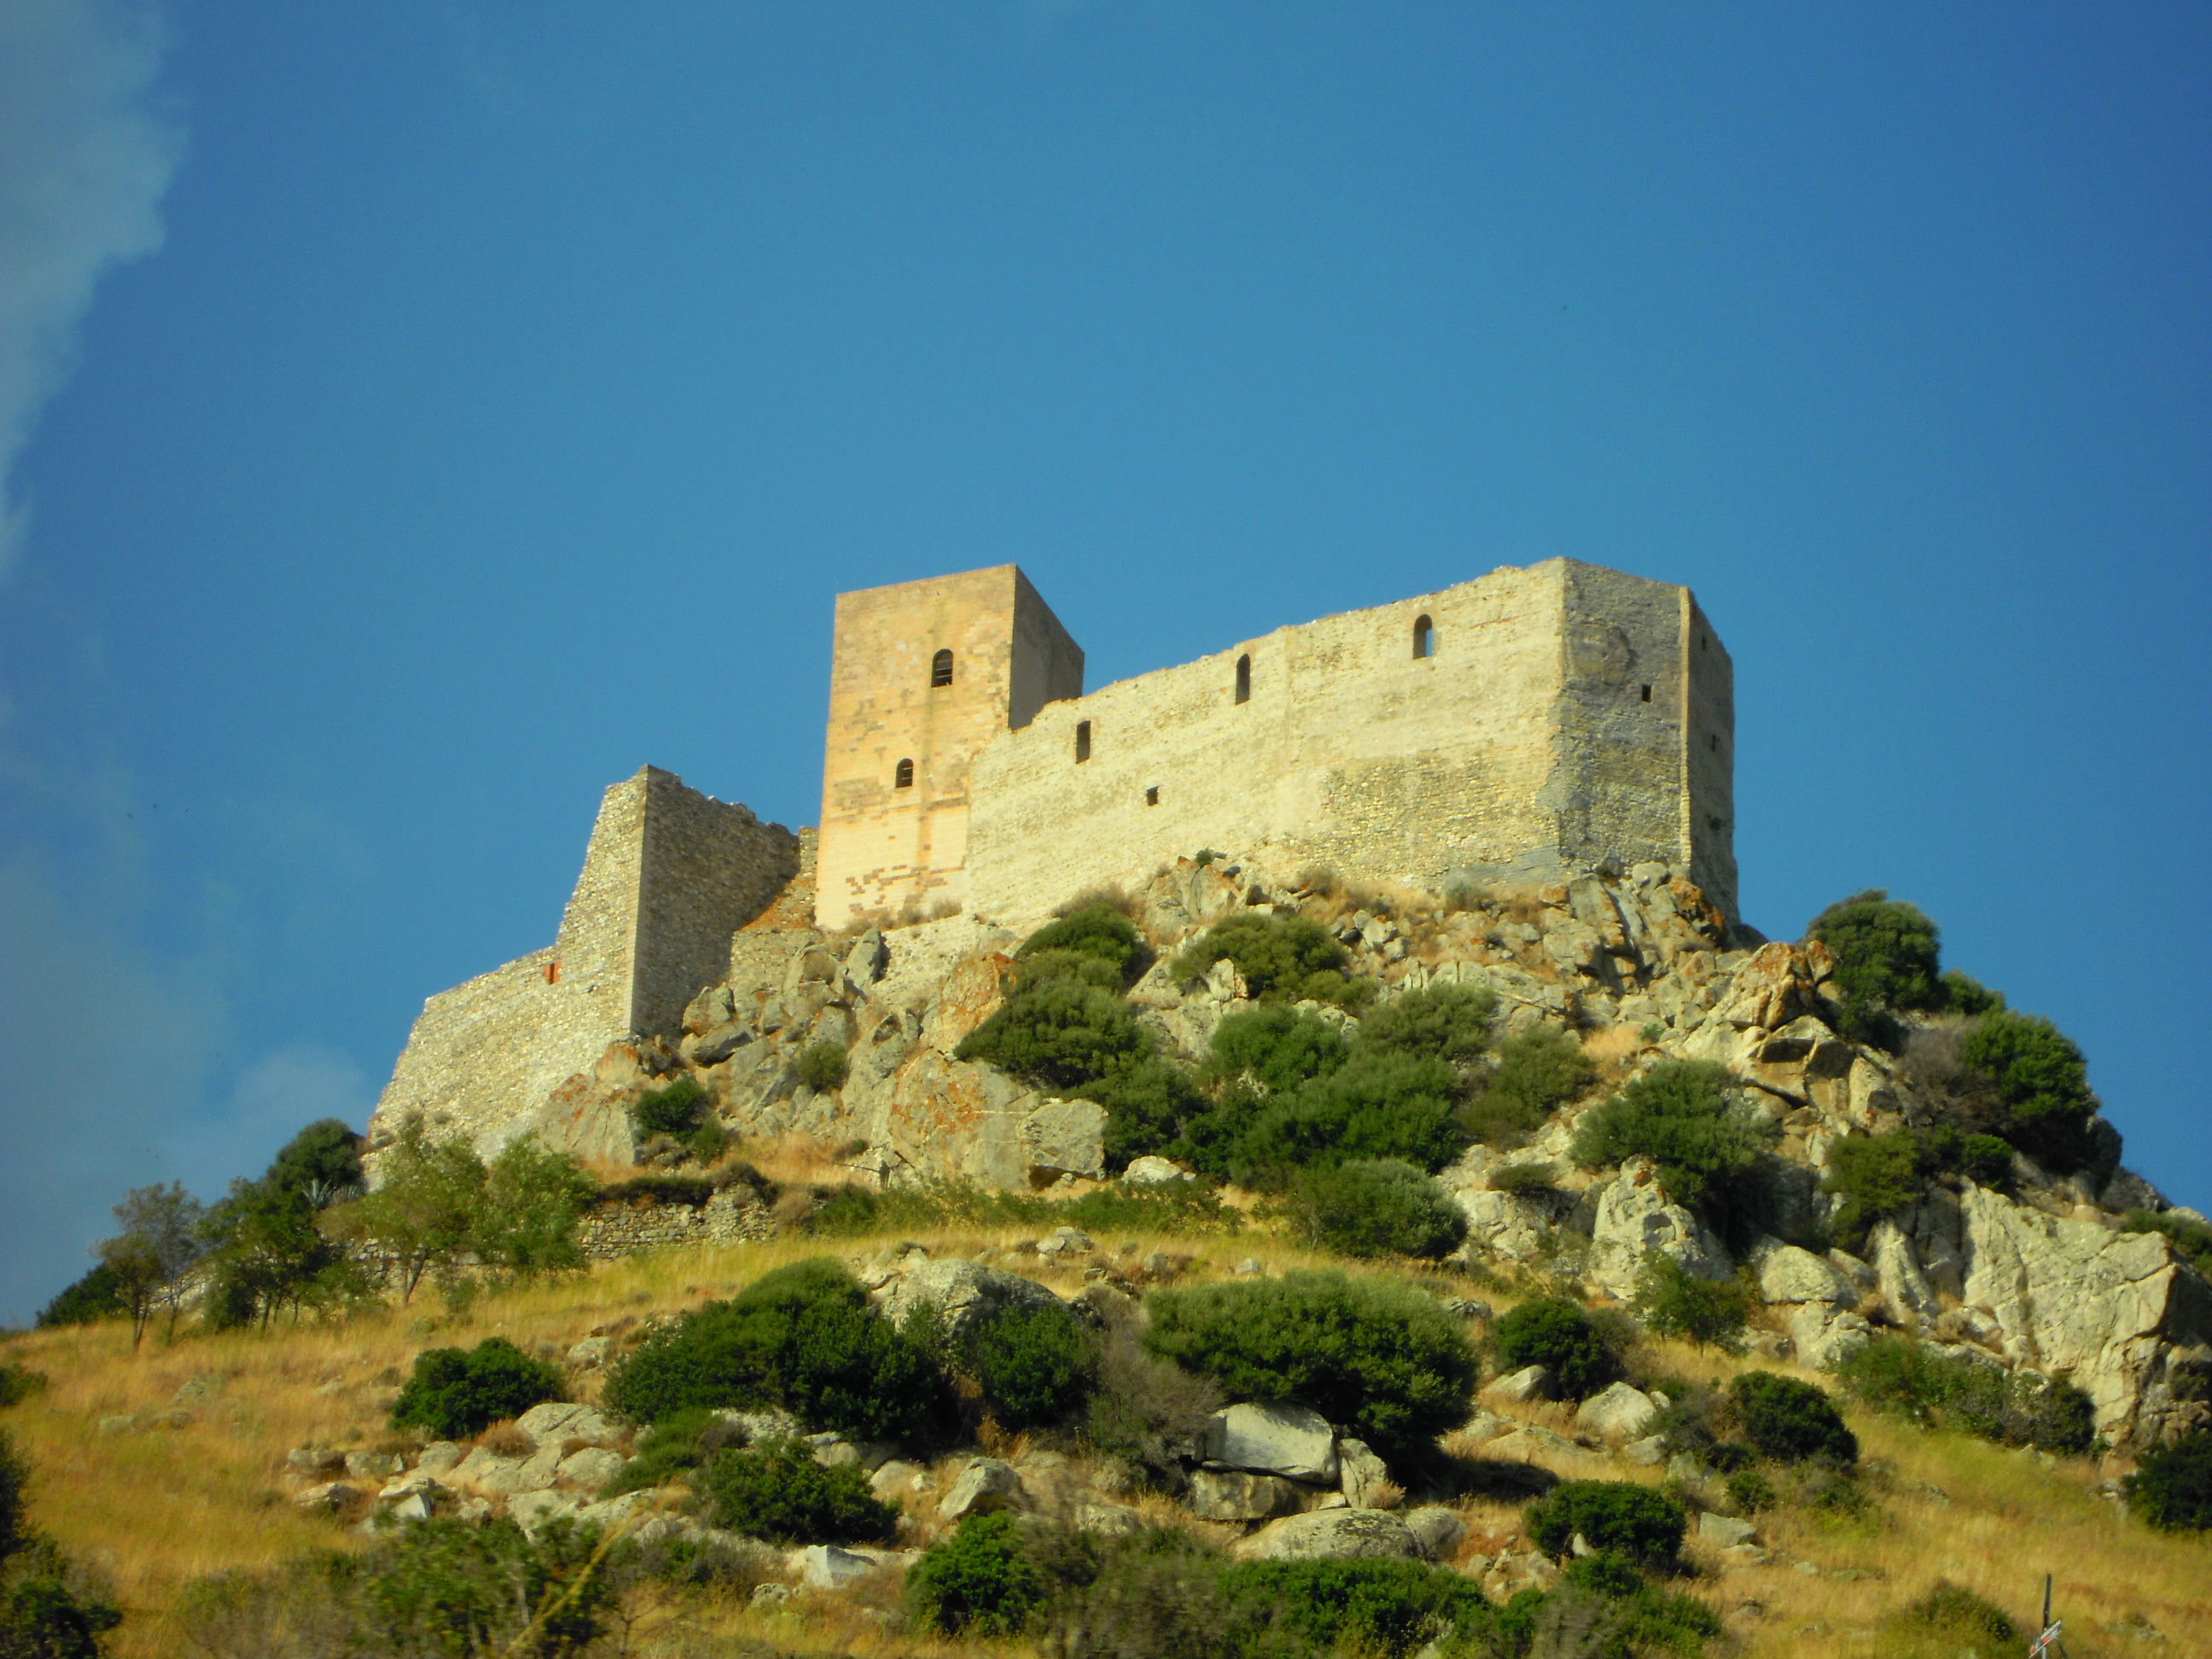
<point>85,158</point>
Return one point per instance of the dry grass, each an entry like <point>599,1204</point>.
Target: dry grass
<point>1614,1049</point>
<point>163,1505</point>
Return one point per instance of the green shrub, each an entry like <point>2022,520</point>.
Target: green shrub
<point>679,1443</point>
<point>1439,1022</point>
<point>1949,1620</point>
<point>1059,1032</point>
<point>98,1295</point>
<point>1371,1355</point>
<point>1377,1207</point>
<point>1706,1313</point>
<point>2172,1489</point>
<point>1964,994</point>
<point>1750,1490</point>
<point>1538,1072</point>
<point>802,1337</point>
<point>18,1384</point>
<point>1986,1160</point>
<point>1034,1364</point>
<point>777,1491</point>
<point>322,1163</point>
<point>1145,1410</point>
<point>1875,1175</point>
<point>52,1607</point>
<point>1098,932</point>
<point>1677,1115</point>
<point>1640,1523</point>
<point>2192,1240</point>
<point>455,1393</point>
<point>977,1582</point>
<point>673,1110</point>
<point>1375,1105</point>
<point>1147,1104</point>
<point>1790,1421</point>
<point>821,1067</point>
<point>1281,958</point>
<point>1886,958</point>
<point>1373,1607</point>
<point>2043,1083</point>
<point>1525,1179</point>
<point>1274,1047</point>
<point>1180,1208</point>
<point>1554,1331</point>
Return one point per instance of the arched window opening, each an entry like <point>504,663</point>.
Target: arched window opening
<point>903,775</point>
<point>1244,679</point>
<point>1082,741</point>
<point>940,668</point>
<point>1425,637</point>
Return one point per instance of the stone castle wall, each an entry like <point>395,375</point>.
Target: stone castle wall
<point>1524,743</point>
<point>668,876</point>
<point>890,848</point>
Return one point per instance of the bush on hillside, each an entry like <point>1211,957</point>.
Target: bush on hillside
<point>1705,1313</point>
<point>1790,1421</point>
<point>1375,1105</point>
<point>777,1491</point>
<point>1148,1103</point>
<point>18,1384</point>
<point>1273,1048</point>
<point>1035,1366</point>
<point>98,1295</point>
<point>1145,1410</point>
<point>1640,1523</point>
<point>527,1216</point>
<point>1098,932</point>
<point>978,1581</point>
<point>1886,955</point>
<point>1377,1207</point>
<point>1373,1355</point>
<point>1555,1333</point>
<point>2172,1489</point>
<point>455,1393</point>
<point>1677,1115</point>
<point>1901,1377</point>
<point>1281,958</point>
<point>802,1337</point>
<point>2043,1085</point>
<point>1439,1022</point>
<point>678,1443</point>
<point>1985,1160</point>
<point>1373,1607</point>
<point>1538,1072</point>
<point>1059,1032</point>
<point>1964,994</point>
<point>1873,1175</point>
<point>821,1067</point>
<point>322,1163</point>
<point>1949,1620</point>
<point>674,1110</point>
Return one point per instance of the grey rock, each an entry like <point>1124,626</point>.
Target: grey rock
<point>713,1046</point>
<point>1647,1453</point>
<point>1287,1440</point>
<point>558,1421</point>
<point>592,1465</point>
<point>1825,1335</point>
<point>1064,1241</point>
<point>985,1485</point>
<point>760,1423</point>
<point>1364,1478</point>
<point>825,1566</point>
<point>374,1466</point>
<point>1329,1535</point>
<point>864,962</point>
<point>1248,1266</point>
<point>1725,1530</point>
<point>1633,1217</point>
<point>894,1478</point>
<point>961,1293</point>
<point>1152,1170</point>
<point>1519,1387</point>
<point>1905,1291</point>
<point>1064,1136</point>
<point>589,1354</point>
<point>1436,1529</point>
<point>328,1495</point>
<point>1788,1274</point>
<point>309,1459</point>
<point>770,1594</point>
<point>1233,1495</point>
<point>1616,1412</point>
<point>532,1510</point>
<point>1110,1520</point>
<point>439,1456</point>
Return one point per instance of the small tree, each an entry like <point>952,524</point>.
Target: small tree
<point>421,1215</point>
<point>1886,958</point>
<point>1640,1523</point>
<point>1875,1175</point>
<point>1676,1113</point>
<point>527,1211</point>
<point>322,1163</point>
<point>2172,1489</point>
<point>1377,1207</point>
<point>977,1581</point>
<point>778,1492</point>
<point>2042,1082</point>
<point>1706,1313</point>
<point>458,1392</point>
<point>159,1243</point>
<point>675,1110</point>
<point>1790,1421</point>
<point>1538,1072</point>
<point>1034,1363</point>
<point>267,1253</point>
<point>1554,1333</point>
<point>1440,1022</point>
<point>1284,958</point>
<point>821,1067</point>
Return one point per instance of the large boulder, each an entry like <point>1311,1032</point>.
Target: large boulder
<point>1065,1137</point>
<point>557,1421</point>
<point>1633,1217</point>
<point>984,1485</point>
<point>965,1294</point>
<point>1788,1274</point>
<point>1329,1535</point>
<point>1505,1224</point>
<point>1287,1440</point>
<point>1234,1495</point>
<point>1616,1412</point>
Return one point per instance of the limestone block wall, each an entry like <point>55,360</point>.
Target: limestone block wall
<point>668,876</point>
<point>1522,743</point>
<point>889,846</point>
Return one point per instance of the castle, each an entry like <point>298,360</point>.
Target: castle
<point>1518,727</point>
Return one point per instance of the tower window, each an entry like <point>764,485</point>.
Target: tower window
<point>1153,796</point>
<point>940,668</point>
<point>1082,741</point>
<point>1647,694</point>
<point>903,775</point>
<point>1425,638</point>
<point>1713,743</point>
<point>1244,679</point>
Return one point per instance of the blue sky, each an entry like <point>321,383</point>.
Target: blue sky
<point>417,416</point>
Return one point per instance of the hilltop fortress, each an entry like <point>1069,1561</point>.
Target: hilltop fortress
<point>1526,726</point>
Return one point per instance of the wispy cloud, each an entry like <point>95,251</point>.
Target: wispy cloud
<point>86,155</point>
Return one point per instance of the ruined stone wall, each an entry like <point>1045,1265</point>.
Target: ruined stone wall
<point>889,849</point>
<point>668,875</point>
<point>1522,745</point>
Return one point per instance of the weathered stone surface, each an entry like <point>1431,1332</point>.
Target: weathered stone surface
<point>985,1485</point>
<point>1518,1388</point>
<point>374,1466</point>
<point>1505,1224</point>
<point>328,1495</point>
<point>1725,1531</point>
<point>955,1118</point>
<point>1616,1412</point>
<point>590,1465</point>
<point>1329,1535</point>
<point>1436,1529</point>
<point>1110,1520</point>
<point>1905,1290</point>
<point>1825,1335</point>
<point>532,1510</point>
<point>566,1420</point>
<point>1633,1217</point>
<point>962,1292</point>
<point>1788,1274</point>
<point>439,1456</point>
<point>1234,1495</point>
<point>1287,1440</point>
<point>825,1566</point>
<point>1065,1137</point>
<point>1152,1170</point>
<point>1364,1478</point>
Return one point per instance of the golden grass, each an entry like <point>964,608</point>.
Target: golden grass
<point>164,1505</point>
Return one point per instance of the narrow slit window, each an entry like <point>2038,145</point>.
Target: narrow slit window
<point>1425,638</point>
<point>1153,796</point>
<point>1713,743</point>
<point>1244,679</point>
<point>940,668</point>
<point>1082,741</point>
<point>1647,694</point>
<point>903,775</point>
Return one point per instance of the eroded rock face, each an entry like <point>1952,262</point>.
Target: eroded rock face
<point>1286,1440</point>
<point>1329,1535</point>
<point>1064,1136</point>
<point>1616,1412</point>
<point>1634,1218</point>
<point>963,1293</point>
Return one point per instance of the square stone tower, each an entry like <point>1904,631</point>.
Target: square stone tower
<point>922,675</point>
